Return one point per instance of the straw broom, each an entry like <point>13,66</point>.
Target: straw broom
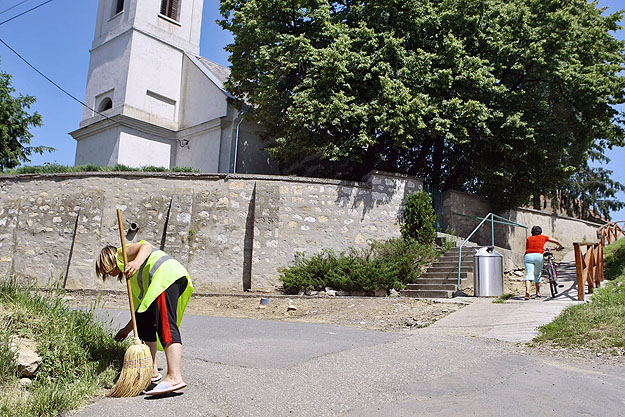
<point>137,369</point>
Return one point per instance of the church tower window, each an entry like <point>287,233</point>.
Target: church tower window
<point>119,6</point>
<point>105,104</point>
<point>170,8</point>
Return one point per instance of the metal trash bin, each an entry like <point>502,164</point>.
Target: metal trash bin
<point>488,273</point>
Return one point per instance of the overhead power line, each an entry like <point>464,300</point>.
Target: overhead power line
<point>14,6</point>
<point>69,94</point>
<point>24,12</point>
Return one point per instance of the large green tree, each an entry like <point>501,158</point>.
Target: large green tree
<point>505,98</point>
<point>15,122</point>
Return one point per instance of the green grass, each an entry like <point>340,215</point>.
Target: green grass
<point>597,325</point>
<point>502,298</point>
<point>56,168</point>
<point>79,357</point>
<point>614,259</point>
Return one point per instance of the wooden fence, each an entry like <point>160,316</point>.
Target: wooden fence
<point>589,264</point>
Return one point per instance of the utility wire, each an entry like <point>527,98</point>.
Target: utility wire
<point>46,77</point>
<point>14,6</point>
<point>72,96</point>
<point>24,12</point>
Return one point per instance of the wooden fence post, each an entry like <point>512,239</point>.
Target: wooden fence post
<point>579,270</point>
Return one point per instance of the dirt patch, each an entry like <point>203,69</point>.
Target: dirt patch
<point>375,313</point>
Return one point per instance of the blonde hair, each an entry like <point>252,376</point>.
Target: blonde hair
<point>106,262</point>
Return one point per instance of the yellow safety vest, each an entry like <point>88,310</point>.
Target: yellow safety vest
<point>156,274</point>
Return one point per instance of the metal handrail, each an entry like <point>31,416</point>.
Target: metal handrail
<point>492,231</point>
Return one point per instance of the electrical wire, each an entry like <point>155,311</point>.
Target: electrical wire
<point>14,6</point>
<point>72,96</point>
<point>24,12</point>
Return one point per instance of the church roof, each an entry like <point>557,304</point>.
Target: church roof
<point>218,74</point>
<point>219,71</point>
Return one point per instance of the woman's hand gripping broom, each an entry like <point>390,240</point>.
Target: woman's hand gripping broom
<point>137,369</point>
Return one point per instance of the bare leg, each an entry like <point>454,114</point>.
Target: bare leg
<point>538,289</point>
<point>153,348</point>
<point>527,288</point>
<point>173,353</point>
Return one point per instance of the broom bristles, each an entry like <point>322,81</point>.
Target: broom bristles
<point>136,372</point>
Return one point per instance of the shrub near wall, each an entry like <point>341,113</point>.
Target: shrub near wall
<point>380,266</point>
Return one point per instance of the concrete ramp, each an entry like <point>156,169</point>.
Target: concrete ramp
<point>516,320</point>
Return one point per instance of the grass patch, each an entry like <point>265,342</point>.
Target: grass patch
<point>614,259</point>
<point>381,265</point>
<point>597,325</point>
<point>502,298</point>
<point>57,168</point>
<point>79,357</point>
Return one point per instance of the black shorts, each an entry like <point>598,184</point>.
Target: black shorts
<point>161,316</point>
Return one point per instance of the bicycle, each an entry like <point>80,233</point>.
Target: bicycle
<point>552,271</point>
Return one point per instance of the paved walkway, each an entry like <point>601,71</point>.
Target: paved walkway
<point>516,320</point>
<point>237,367</point>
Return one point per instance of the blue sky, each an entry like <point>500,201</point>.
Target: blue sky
<point>56,39</point>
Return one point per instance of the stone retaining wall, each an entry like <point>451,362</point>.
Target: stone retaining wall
<point>232,232</point>
<point>459,207</point>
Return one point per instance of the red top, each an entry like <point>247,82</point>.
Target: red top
<point>536,244</point>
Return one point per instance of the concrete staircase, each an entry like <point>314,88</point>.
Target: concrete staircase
<point>441,279</point>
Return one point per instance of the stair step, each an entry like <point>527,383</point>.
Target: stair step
<point>454,258</point>
<point>426,294</point>
<point>432,287</point>
<point>445,268</point>
<point>467,249</point>
<point>445,275</point>
<point>433,281</point>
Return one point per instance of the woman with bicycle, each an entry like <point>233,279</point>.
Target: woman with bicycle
<point>533,259</point>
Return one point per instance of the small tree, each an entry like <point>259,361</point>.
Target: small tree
<point>419,219</point>
<point>14,124</point>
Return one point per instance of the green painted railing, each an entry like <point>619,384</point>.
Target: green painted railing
<point>492,217</point>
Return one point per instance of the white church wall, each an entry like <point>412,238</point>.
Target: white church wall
<point>200,149</point>
<point>110,24</point>
<point>201,99</point>
<point>183,32</point>
<point>108,70</point>
<point>136,151</point>
<point>101,148</point>
<point>251,156</point>
<point>154,74</point>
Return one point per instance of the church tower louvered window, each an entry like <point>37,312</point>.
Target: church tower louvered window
<point>170,8</point>
<point>119,6</point>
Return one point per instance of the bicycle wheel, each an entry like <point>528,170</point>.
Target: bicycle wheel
<point>553,284</point>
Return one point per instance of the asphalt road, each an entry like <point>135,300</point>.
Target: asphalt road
<point>238,367</point>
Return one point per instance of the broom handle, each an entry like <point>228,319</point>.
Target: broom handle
<point>125,256</point>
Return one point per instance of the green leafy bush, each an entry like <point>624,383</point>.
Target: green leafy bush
<point>380,265</point>
<point>419,219</point>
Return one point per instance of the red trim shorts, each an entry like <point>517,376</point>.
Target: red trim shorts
<point>161,316</point>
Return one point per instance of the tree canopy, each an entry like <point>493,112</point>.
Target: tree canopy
<point>15,122</point>
<point>503,98</point>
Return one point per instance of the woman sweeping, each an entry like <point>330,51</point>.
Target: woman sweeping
<point>161,288</point>
<point>533,258</point>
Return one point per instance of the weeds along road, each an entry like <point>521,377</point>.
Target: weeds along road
<point>241,367</point>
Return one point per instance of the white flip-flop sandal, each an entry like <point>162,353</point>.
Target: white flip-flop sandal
<point>165,387</point>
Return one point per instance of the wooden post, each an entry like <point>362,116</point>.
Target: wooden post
<point>578,268</point>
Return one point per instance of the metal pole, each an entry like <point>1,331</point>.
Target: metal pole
<point>492,230</point>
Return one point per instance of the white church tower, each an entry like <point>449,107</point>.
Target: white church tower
<point>156,101</point>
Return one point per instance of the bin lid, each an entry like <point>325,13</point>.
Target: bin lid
<point>488,251</point>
